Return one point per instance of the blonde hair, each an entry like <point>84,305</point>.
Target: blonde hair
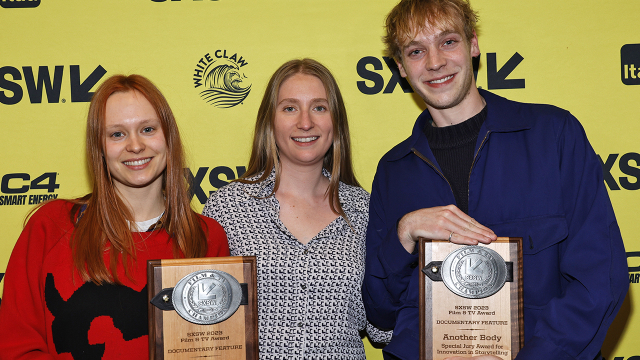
<point>264,152</point>
<point>409,17</point>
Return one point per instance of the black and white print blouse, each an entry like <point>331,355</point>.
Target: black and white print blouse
<point>309,296</point>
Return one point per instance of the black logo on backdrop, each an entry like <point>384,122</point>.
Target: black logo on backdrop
<point>496,78</point>
<point>13,4</point>
<point>628,164</point>
<point>195,181</point>
<point>633,258</point>
<point>630,64</point>
<point>221,78</point>
<point>11,92</point>
<point>14,188</point>
<point>377,79</point>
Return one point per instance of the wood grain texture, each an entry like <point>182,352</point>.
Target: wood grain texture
<point>451,325</point>
<point>172,337</point>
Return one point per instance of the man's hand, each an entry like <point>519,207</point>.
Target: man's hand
<point>442,223</point>
<point>481,357</point>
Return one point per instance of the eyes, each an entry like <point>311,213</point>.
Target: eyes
<point>319,108</point>
<point>417,50</point>
<point>118,135</point>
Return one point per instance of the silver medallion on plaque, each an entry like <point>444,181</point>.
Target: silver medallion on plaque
<point>207,297</point>
<point>474,272</point>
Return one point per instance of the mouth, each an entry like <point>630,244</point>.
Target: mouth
<point>305,139</point>
<point>137,162</point>
<point>440,81</point>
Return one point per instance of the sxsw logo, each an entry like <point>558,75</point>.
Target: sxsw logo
<point>214,180</point>
<point>628,164</point>
<point>12,4</point>
<point>46,80</point>
<point>374,83</point>
<point>630,64</point>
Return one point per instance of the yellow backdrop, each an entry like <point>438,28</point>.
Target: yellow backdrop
<point>580,55</point>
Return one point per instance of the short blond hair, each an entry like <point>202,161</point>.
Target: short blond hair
<point>409,17</point>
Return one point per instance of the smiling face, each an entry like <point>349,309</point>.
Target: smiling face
<point>303,125</point>
<point>135,146</point>
<point>437,63</point>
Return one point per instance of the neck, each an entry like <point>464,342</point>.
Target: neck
<point>144,203</point>
<point>307,181</point>
<point>471,105</point>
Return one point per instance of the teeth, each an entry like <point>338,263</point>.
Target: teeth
<point>137,162</point>
<point>441,80</point>
<point>305,139</point>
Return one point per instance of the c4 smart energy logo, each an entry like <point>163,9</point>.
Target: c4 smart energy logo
<point>220,79</point>
<point>12,4</point>
<point>630,64</point>
<point>17,188</point>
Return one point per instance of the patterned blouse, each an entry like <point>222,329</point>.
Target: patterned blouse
<point>309,296</point>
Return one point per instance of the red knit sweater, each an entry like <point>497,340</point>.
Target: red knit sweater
<point>48,312</point>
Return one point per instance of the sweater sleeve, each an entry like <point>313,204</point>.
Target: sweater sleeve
<point>23,330</point>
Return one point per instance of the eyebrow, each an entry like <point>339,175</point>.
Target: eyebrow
<point>297,101</point>
<point>142,122</point>
<point>439,35</point>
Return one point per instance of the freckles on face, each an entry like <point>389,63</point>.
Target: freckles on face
<point>135,147</point>
<point>303,124</point>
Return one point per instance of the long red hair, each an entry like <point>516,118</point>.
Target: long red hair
<point>104,222</point>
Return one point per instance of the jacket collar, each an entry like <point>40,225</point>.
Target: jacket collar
<point>503,115</point>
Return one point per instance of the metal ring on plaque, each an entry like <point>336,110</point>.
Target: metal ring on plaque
<point>207,297</point>
<point>474,272</point>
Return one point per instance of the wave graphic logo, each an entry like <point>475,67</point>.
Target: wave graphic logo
<point>13,4</point>
<point>225,84</point>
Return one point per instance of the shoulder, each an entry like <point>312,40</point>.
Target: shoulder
<point>216,237</point>
<point>56,212</point>
<point>354,199</point>
<point>505,114</point>
<point>47,227</point>
<point>238,192</point>
<point>228,196</point>
<point>210,224</point>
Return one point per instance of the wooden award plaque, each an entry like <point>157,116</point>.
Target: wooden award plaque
<point>234,337</point>
<point>460,313</point>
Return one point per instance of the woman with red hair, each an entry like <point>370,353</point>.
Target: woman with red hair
<point>75,285</point>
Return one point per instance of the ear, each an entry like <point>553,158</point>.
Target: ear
<point>473,45</point>
<point>401,68</point>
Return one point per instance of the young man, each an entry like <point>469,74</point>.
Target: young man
<point>477,165</point>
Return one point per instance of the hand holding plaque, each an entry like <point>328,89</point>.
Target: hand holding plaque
<point>471,299</point>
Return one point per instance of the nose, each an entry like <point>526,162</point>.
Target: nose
<point>135,144</point>
<point>435,60</point>
<point>305,122</point>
